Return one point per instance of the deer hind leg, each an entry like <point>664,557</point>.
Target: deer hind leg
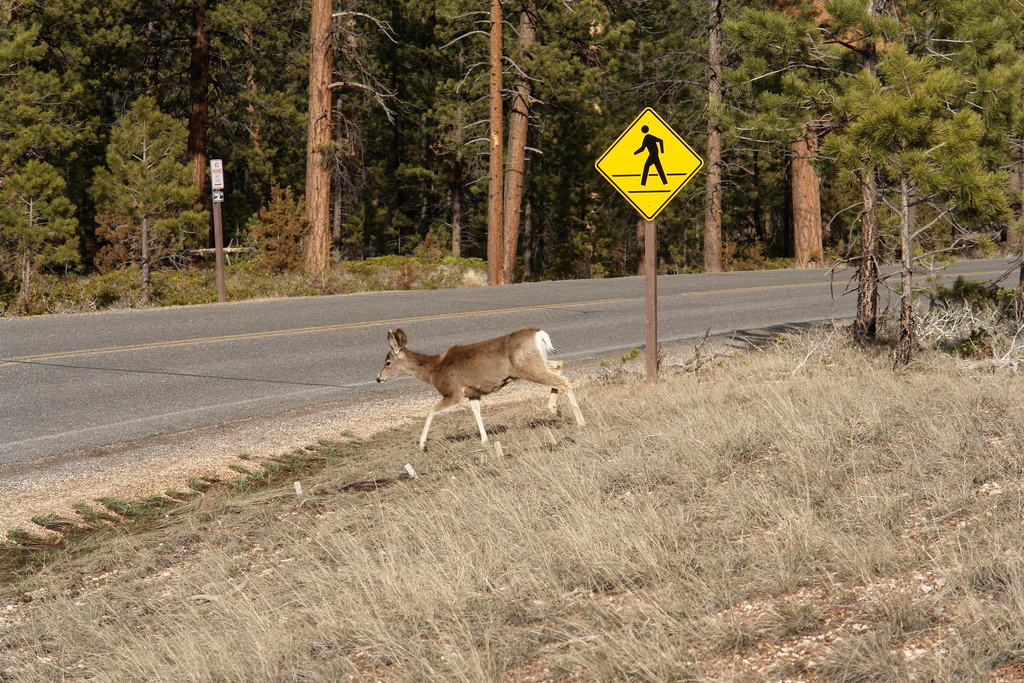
<point>558,383</point>
<point>554,367</point>
<point>553,401</point>
<point>442,405</point>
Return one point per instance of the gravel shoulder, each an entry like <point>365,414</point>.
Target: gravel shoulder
<point>140,468</point>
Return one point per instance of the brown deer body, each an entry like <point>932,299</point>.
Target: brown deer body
<point>475,370</point>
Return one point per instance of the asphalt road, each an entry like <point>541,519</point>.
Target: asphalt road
<point>69,384</point>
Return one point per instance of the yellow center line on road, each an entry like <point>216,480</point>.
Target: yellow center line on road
<point>394,321</point>
<point>59,355</point>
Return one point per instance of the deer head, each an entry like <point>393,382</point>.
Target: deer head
<point>394,364</point>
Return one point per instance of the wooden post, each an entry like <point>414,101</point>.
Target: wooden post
<point>217,183</point>
<point>218,242</point>
<point>651,291</point>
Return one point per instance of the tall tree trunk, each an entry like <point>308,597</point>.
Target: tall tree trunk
<point>340,200</point>
<point>199,102</point>
<point>905,344</point>
<point>26,281</point>
<point>806,203</point>
<point>713,165</point>
<point>318,156</point>
<point>253,88</point>
<point>456,192</point>
<point>1019,240</point>
<point>865,326</point>
<point>518,125</point>
<point>867,272</point>
<point>527,236</point>
<point>253,121</point>
<point>458,182</point>
<point>495,212</point>
<point>145,259</point>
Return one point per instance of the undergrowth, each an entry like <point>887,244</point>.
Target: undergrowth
<point>244,279</point>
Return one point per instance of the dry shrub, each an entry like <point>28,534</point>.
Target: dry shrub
<point>691,527</point>
<point>279,231</point>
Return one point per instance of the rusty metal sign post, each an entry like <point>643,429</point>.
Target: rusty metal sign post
<point>217,181</point>
<point>649,151</point>
<point>651,297</point>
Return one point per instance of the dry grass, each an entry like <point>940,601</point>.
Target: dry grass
<point>755,523</point>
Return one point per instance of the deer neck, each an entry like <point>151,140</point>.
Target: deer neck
<point>421,365</point>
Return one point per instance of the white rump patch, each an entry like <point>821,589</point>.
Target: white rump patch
<point>544,344</point>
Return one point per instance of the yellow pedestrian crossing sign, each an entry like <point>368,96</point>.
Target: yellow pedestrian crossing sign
<point>649,164</point>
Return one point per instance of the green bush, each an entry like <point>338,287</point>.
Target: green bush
<point>9,286</point>
<point>978,295</point>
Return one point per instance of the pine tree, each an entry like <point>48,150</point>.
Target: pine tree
<point>37,222</point>
<point>787,69</point>
<point>144,194</point>
<point>932,122</point>
<point>37,124</point>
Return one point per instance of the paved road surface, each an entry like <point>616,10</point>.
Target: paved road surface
<point>74,383</point>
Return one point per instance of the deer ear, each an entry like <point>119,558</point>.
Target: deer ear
<point>396,340</point>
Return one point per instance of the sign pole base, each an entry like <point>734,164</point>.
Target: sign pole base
<point>651,296</point>
<point>218,238</point>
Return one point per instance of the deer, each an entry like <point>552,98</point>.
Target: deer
<point>475,370</point>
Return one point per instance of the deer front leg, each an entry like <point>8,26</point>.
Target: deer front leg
<point>474,404</point>
<point>577,413</point>
<point>553,401</point>
<point>444,404</point>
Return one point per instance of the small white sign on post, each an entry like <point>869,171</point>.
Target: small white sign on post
<point>217,174</point>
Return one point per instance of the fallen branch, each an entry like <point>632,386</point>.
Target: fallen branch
<point>700,358</point>
<point>804,361</point>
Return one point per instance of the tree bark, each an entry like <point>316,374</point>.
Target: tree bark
<point>1017,239</point>
<point>145,259</point>
<point>26,281</point>
<point>806,203</point>
<point>527,237</point>
<point>713,165</point>
<point>518,126</point>
<point>867,271</point>
<point>865,325</point>
<point>905,344</point>
<point>199,102</point>
<point>495,212</point>
<point>456,192</point>
<point>318,153</point>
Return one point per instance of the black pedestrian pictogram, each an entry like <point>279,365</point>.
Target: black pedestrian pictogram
<point>655,147</point>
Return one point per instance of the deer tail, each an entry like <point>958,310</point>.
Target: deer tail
<point>544,344</point>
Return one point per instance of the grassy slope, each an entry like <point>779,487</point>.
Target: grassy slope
<point>842,524</point>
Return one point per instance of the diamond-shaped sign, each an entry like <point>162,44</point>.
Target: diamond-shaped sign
<point>649,164</point>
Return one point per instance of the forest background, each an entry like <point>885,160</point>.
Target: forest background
<point>357,134</point>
